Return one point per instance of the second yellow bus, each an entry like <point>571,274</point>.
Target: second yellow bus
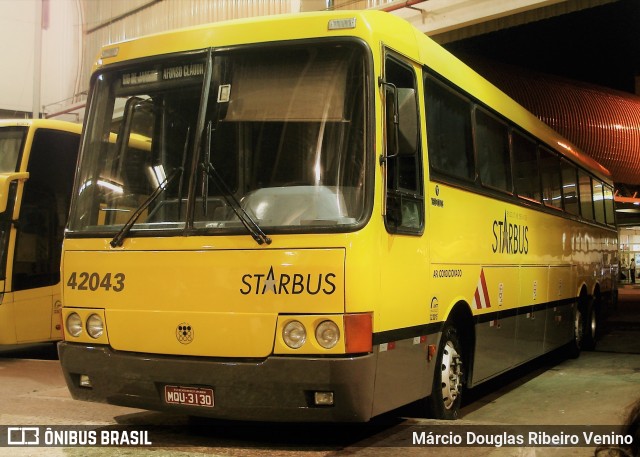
<point>37,165</point>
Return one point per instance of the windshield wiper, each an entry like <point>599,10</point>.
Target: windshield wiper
<point>249,223</point>
<point>120,236</point>
<point>184,159</point>
<point>210,171</point>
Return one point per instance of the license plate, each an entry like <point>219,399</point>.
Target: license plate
<point>190,396</point>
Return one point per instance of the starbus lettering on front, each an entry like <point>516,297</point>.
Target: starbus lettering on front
<point>288,284</point>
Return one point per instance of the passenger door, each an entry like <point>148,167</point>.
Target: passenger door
<point>35,278</point>
<point>404,302</point>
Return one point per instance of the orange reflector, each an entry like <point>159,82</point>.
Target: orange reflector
<point>358,333</point>
<point>431,352</point>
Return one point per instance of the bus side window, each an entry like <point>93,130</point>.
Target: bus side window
<point>405,197</point>
<point>448,131</point>
<point>569,188</point>
<point>608,205</point>
<point>525,167</point>
<point>551,183</point>
<point>598,201</point>
<point>492,151</point>
<point>586,198</point>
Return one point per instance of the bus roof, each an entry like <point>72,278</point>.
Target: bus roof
<point>373,26</point>
<point>52,124</point>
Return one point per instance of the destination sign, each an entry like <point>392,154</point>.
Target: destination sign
<point>174,72</point>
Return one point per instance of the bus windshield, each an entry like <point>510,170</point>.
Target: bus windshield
<point>277,132</point>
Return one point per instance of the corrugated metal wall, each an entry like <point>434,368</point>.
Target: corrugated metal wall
<point>38,36</point>
<point>117,20</point>
<point>61,54</point>
<point>604,123</point>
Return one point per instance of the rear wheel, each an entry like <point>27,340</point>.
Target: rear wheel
<point>590,327</point>
<point>575,346</point>
<point>446,394</point>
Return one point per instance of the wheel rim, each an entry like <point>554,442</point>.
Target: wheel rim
<point>451,374</point>
<point>593,325</point>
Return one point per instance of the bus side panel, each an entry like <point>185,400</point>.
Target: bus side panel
<point>531,322</point>
<point>7,319</point>
<point>559,326</point>
<point>496,298</point>
<point>56,318</point>
<point>402,372</point>
<point>532,314</point>
<point>495,341</point>
<point>34,313</point>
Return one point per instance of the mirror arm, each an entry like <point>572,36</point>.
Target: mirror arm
<point>5,185</point>
<point>396,121</point>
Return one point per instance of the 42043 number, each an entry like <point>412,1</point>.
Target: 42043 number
<point>95,281</point>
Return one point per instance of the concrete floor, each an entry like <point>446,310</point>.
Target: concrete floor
<point>549,394</point>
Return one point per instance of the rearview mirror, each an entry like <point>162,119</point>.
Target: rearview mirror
<point>5,182</point>
<point>408,122</point>
<point>402,121</point>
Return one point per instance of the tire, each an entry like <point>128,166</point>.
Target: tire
<point>590,327</point>
<point>573,348</point>
<point>446,394</point>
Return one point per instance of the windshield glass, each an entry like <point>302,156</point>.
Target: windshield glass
<point>11,142</point>
<point>280,131</point>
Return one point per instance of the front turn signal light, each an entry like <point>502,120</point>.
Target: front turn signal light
<point>358,333</point>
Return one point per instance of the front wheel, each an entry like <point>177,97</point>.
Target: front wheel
<point>446,394</point>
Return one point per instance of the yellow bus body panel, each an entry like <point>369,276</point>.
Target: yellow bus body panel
<point>536,259</point>
<point>229,299</point>
<point>285,27</point>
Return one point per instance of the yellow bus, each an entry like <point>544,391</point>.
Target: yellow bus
<point>37,164</point>
<point>333,217</point>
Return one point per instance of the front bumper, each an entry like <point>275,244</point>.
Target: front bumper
<point>275,388</point>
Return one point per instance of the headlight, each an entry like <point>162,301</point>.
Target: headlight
<point>74,324</point>
<point>327,334</point>
<point>294,334</point>
<point>95,327</point>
